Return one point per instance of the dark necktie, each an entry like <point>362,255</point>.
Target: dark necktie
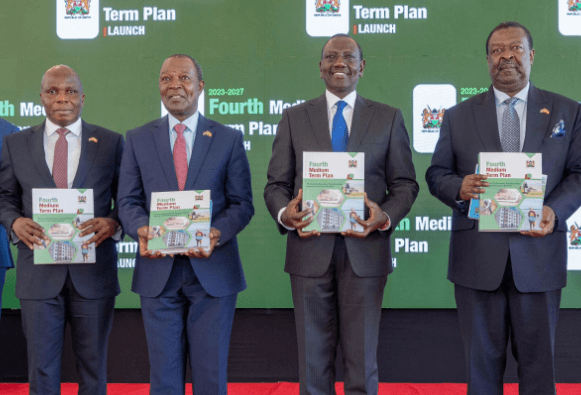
<point>510,140</point>
<point>180,156</point>
<point>340,133</point>
<point>60,161</point>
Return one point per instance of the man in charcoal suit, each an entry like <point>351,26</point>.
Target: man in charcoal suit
<point>338,280</point>
<point>508,285</point>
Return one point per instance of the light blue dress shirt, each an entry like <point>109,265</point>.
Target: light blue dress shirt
<point>520,107</point>
<point>189,134</point>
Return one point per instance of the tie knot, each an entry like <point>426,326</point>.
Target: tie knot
<point>62,131</point>
<point>179,128</point>
<point>511,101</point>
<point>340,106</point>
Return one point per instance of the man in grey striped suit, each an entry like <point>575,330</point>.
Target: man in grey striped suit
<point>338,280</point>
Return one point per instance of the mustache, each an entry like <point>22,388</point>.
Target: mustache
<point>507,63</point>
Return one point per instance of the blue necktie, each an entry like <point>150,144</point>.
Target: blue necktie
<point>340,133</point>
<point>510,139</point>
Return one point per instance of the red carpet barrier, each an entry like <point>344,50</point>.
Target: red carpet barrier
<point>293,389</point>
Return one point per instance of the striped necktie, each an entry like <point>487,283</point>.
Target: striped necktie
<point>510,140</point>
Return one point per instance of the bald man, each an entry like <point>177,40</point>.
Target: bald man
<point>63,152</point>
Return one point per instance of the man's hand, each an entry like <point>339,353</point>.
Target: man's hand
<point>377,219</point>
<point>547,224</point>
<point>103,228</point>
<point>215,235</point>
<point>29,232</point>
<point>144,234</point>
<point>472,185</point>
<point>293,218</point>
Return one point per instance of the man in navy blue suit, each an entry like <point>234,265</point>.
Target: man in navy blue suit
<point>508,285</point>
<point>187,301</point>
<point>6,261</point>
<point>51,295</point>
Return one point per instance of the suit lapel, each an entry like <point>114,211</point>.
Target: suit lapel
<point>199,150</point>
<point>361,116</point>
<point>89,146</point>
<point>487,122</point>
<point>38,156</point>
<point>537,122</point>
<point>162,144</point>
<point>318,115</point>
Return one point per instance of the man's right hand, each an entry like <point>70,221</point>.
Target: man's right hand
<point>472,185</point>
<point>293,218</point>
<point>29,232</point>
<point>144,233</point>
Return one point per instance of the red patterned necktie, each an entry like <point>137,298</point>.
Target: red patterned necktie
<point>60,161</point>
<point>180,156</point>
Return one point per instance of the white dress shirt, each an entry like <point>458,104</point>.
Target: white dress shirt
<point>347,110</point>
<point>50,138</point>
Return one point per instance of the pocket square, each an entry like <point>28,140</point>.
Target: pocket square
<point>559,129</point>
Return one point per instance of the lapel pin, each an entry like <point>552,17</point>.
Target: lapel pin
<point>545,111</point>
<point>207,133</point>
<point>93,139</point>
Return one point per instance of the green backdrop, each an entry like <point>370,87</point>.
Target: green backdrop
<point>262,50</point>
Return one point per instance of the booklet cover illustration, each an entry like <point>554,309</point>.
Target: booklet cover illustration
<point>514,200</point>
<point>333,190</point>
<point>180,221</point>
<point>60,212</point>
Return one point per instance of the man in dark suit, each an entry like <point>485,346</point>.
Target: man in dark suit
<point>187,301</point>
<point>508,285</point>
<point>338,280</point>
<point>63,152</point>
<point>6,261</point>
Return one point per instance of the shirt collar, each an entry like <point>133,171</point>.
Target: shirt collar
<point>332,99</point>
<point>501,96</point>
<point>75,127</point>
<point>191,122</point>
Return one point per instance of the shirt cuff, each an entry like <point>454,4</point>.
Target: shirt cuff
<point>279,220</point>
<point>118,233</point>
<point>387,225</point>
<point>13,238</point>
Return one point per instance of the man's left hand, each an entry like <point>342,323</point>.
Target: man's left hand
<point>547,224</point>
<point>201,252</point>
<point>377,219</point>
<point>103,228</point>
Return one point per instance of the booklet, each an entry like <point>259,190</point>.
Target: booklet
<point>474,208</point>
<point>60,212</point>
<point>514,200</point>
<point>180,221</point>
<point>334,190</point>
